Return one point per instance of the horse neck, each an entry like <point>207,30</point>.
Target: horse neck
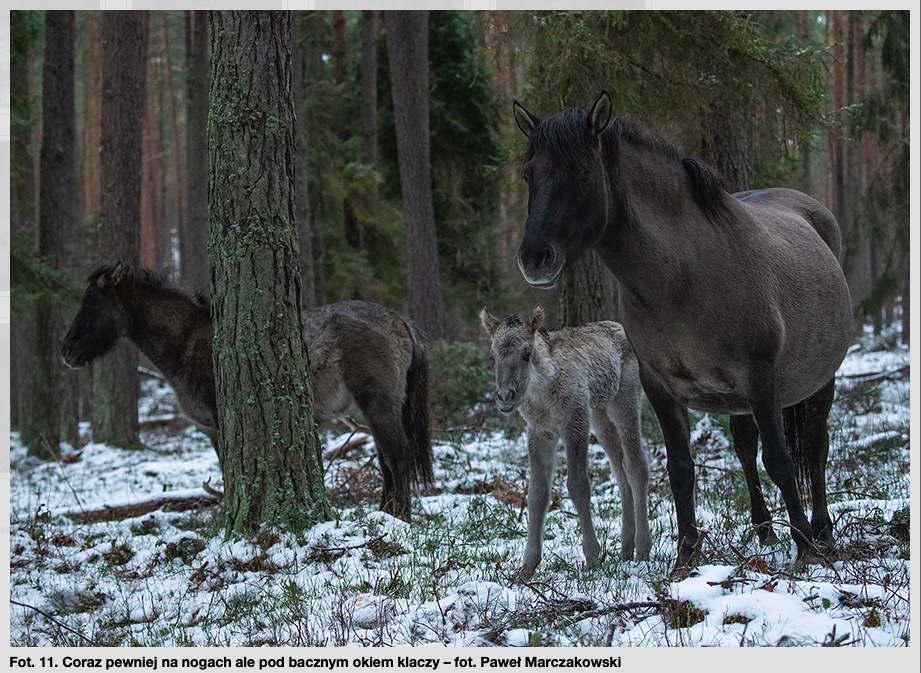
<point>653,218</point>
<point>162,322</point>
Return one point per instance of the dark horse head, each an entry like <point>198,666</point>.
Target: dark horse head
<point>100,320</point>
<point>568,192</point>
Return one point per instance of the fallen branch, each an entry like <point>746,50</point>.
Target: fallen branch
<point>55,621</point>
<point>890,375</point>
<point>167,503</point>
<point>349,446</point>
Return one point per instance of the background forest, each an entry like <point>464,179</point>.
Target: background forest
<point>811,100</point>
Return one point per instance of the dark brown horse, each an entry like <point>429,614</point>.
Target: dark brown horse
<point>734,304</point>
<point>359,352</point>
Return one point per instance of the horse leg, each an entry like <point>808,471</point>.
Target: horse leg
<point>626,416</point>
<point>676,430</point>
<point>541,459</point>
<point>610,440</point>
<point>815,442</point>
<point>577,483</point>
<point>745,442</point>
<point>778,463</point>
<point>383,413</point>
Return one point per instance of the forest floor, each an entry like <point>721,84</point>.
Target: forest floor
<point>172,578</point>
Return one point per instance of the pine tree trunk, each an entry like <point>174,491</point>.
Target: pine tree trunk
<point>115,378</point>
<point>589,292</point>
<point>511,208</point>
<point>301,78</point>
<point>54,403</point>
<point>23,207</point>
<point>370,30</point>
<point>267,443</point>
<point>407,51</point>
<point>729,145</point>
<point>91,126</point>
<point>193,242</point>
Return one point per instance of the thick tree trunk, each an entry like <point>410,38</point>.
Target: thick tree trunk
<point>116,383</point>
<point>729,145</point>
<point>267,444</point>
<point>193,242</point>
<point>589,292</point>
<point>54,401</point>
<point>407,51</point>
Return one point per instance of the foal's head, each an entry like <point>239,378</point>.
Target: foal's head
<point>101,319</point>
<point>511,351</point>
<point>568,189</point>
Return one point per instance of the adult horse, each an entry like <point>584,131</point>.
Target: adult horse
<point>734,304</point>
<point>359,351</point>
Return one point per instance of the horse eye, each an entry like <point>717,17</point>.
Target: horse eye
<point>585,174</point>
<point>526,356</point>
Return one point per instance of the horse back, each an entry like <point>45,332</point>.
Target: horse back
<point>596,356</point>
<point>357,348</point>
<point>802,205</point>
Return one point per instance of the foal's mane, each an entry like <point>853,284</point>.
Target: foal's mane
<point>567,134</point>
<point>150,279</point>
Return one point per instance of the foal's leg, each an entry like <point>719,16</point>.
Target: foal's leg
<point>815,441</point>
<point>541,459</point>
<point>625,412</point>
<point>610,440</point>
<point>745,442</point>
<point>676,429</point>
<point>577,483</point>
<point>777,461</point>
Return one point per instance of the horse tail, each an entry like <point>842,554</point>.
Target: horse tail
<point>416,414</point>
<point>794,427</point>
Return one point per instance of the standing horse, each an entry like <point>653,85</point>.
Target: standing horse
<point>734,304</point>
<point>359,352</point>
<point>564,383</point>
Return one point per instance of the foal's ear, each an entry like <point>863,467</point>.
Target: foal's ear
<point>490,324</point>
<point>525,120</point>
<point>535,320</point>
<point>600,115</point>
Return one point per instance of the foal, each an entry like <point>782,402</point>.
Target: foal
<point>563,383</point>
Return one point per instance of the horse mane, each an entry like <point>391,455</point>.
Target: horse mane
<point>156,280</point>
<point>566,139</point>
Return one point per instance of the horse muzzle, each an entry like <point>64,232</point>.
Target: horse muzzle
<point>541,267</point>
<point>506,401</point>
<point>72,359</point>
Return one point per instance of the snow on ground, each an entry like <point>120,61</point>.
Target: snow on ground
<point>173,579</point>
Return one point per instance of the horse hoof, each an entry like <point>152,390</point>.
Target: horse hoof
<point>522,576</point>
<point>679,573</point>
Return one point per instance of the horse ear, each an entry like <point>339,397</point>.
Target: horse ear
<point>525,120</point>
<point>111,277</point>
<point>118,273</point>
<point>535,320</point>
<point>600,115</point>
<point>489,323</point>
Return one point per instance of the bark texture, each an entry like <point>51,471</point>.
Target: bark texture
<point>268,447</point>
